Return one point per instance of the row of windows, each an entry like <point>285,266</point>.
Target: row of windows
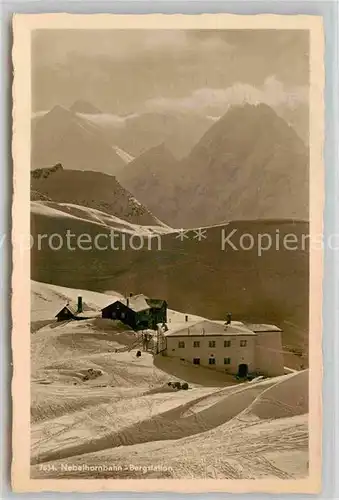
<point>211,343</point>
<point>122,315</point>
<point>211,361</point>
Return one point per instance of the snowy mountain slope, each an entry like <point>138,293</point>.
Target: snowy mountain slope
<point>61,136</point>
<point>47,299</point>
<point>250,164</point>
<point>127,413</point>
<point>116,419</point>
<point>89,189</point>
<point>93,216</point>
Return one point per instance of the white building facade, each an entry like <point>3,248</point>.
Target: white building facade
<point>235,349</point>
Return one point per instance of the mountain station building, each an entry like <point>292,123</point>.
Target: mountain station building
<point>237,348</point>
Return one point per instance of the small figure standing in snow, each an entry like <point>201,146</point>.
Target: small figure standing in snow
<point>144,348</point>
<point>145,341</point>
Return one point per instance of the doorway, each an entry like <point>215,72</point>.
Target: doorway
<point>242,370</point>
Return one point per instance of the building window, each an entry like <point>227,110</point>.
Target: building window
<point>211,361</point>
<point>243,343</point>
<point>211,343</point>
<point>196,343</point>
<point>122,315</point>
<point>181,344</point>
<point>196,361</point>
<point>227,343</point>
<point>227,361</point>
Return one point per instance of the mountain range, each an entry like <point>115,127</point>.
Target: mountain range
<point>58,134</point>
<point>94,190</point>
<point>250,164</point>
<point>62,136</point>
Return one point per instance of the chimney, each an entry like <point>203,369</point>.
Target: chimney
<point>79,305</point>
<point>229,318</point>
<point>127,302</point>
<point>131,294</point>
<point>186,318</point>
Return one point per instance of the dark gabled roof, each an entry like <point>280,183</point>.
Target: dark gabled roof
<point>138,303</point>
<point>70,308</point>
<point>156,303</point>
<point>73,308</point>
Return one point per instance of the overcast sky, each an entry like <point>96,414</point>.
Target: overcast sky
<point>124,72</point>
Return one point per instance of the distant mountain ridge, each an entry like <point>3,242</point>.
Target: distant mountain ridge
<point>89,189</point>
<point>135,133</point>
<point>61,136</point>
<point>249,165</point>
<point>82,106</point>
<point>147,172</point>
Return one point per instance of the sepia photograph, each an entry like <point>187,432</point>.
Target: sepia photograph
<point>173,208</point>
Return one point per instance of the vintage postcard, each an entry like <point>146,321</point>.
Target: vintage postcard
<point>167,253</point>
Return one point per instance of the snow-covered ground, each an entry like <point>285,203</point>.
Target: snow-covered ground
<point>47,299</point>
<point>128,423</point>
<point>97,217</point>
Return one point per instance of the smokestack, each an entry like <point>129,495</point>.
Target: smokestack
<point>79,305</point>
<point>186,318</point>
